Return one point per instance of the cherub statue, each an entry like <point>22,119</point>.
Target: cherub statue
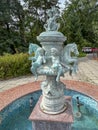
<point>64,62</point>
<point>39,61</point>
<point>56,65</point>
<point>51,24</point>
<point>61,62</point>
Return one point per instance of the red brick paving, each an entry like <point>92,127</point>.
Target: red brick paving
<point>11,95</point>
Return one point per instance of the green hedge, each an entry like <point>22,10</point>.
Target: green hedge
<point>14,65</point>
<point>81,54</point>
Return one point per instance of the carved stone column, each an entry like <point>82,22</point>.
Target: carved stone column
<point>53,101</point>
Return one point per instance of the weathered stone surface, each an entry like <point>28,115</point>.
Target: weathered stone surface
<point>53,60</point>
<point>51,36</point>
<point>42,121</point>
<point>53,100</point>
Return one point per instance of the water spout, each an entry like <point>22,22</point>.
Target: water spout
<point>78,104</point>
<point>31,101</point>
<point>78,113</point>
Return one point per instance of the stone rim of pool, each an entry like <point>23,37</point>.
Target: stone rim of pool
<point>14,94</point>
<point>11,95</point>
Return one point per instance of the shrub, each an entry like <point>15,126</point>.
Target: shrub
<point>81,54</point>
<point>14,65</point>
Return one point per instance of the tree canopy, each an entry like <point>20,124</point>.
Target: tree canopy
<point>81,22</point>
<point>21,22</point>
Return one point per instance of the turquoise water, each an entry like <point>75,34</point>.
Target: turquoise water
<point>15,116</point>
<point>20,121</point>
<point>87,121</point>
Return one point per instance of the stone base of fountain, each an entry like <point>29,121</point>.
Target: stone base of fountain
<point>53,99</point>
<point>43,121</point>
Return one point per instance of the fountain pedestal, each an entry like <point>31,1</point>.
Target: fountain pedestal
<point>43,121</point>
<point>53,110</point>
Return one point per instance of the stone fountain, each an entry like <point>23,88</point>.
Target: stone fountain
<point>53,110</point>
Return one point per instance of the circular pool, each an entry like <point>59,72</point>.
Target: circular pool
<point>15,115</point>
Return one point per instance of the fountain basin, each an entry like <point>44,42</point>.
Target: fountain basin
<point>15,115</point>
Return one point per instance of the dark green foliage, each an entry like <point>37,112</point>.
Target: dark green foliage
<point>20,24</point>
<point>80,18</point>
<point>11,26</point>
<point>14,65</point>
<point>81,54</point>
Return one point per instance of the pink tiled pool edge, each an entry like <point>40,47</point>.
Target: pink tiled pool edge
<point>11,95</point>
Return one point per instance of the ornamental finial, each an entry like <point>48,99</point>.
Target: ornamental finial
<point>51,24</point>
